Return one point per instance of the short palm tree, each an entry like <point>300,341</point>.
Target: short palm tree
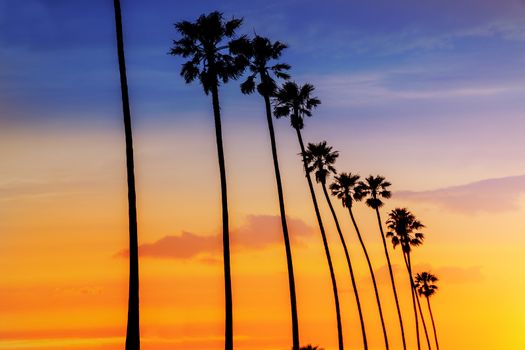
<point>321,159</point>
<point>208,44</point>
<point>404,231</point>
<point>133,329</point>
<point>297,102</point>
<point>426,286</point>
<point>375,189</point>
<point>261,51</point>
<point>345,187</point>
<point>311,347</point>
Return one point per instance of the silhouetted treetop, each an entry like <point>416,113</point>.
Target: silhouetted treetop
<point>425,284</point>
<point>345,187</point>
<point>296,102</point>
<point>210,44</point>
<point>311,347</point>
<point>404,229</point>
<point>260,52</point>
<point>375,187</point>
<point>320,158</point>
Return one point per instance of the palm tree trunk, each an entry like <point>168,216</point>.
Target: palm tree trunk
<point>406,256</point>
<point>352,276</point>
<point>392,279</point>
<point>289,261</point>
<point>422,319</point>
<point>225,226</point>
<point>417,301</point>
<point>371,269</point>
<point>325,243</point>
<point>133,329</point>
<point>433,324</point>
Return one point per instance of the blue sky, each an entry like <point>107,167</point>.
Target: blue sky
<point>437,84</point>
<point>58,57</point>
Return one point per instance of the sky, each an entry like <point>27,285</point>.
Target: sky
<point>428,94</point>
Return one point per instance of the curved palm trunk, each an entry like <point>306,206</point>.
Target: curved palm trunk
<point>409,269</point>
<point>325,243</point>
<point>392,279</point>
<point>289,261</point>
<point>352,276</point>
<point>225,226</point>
<point>414,291</point>
<point>133,329</point>
<point>427,337</point>
<point>371,269</point>
<point>433,324</point>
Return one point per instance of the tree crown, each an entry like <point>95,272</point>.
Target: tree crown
<point>321,159</point>
<point>296,102</point>
<point>404,229</point>
<point>375,188</point>
<point>425,284</point>
<point>211,46</point>
<point>345,187</point>
<point>260,52</point>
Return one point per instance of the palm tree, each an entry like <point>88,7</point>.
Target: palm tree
<point>345,187</point>
<point>261,51</point>
<point>404,231</point>
<point>297,102</point>
<point>204,42</point>
<point>133,328</point>
<point>376,189</point>
<point>321,159</point>
<point>311,347</point>
<point>425,284</point>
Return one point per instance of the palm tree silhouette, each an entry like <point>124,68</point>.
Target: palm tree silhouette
<point>133,328</point>
<point>261,51</point>
<point>345,187</point>
<point>204,42</point>
<point>376,189</point>
<point>321,159</point>
<point>297,102</point>
<point>404,231</point>
<point>425,285</point>
<point>311,347</point>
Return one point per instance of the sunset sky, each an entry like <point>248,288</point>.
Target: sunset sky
<point>429,94</point>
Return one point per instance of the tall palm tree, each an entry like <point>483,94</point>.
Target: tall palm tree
<point>206,42</point>
<point>296,102</point>
<point>321,159</point>
<point>345,187</point>
<point>261,52</point>
<point>375,188</point>
<point>133,328</point>
<point>404,231</point>
<point>425,284</point>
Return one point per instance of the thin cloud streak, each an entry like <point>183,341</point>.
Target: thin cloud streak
<point>259,231</point>
<point>490,195</point>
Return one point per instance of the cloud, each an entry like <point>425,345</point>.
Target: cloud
<point>446,274</point>
<point>404,84</point>
<point>491,195</point>
<point>259,231</point>
<point>29,188</point>
<point>453,274</point>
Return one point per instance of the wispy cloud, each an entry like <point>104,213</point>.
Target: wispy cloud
<point>259,231</point>
<point>491,195</point>
<point>429,83</point>
<point>414,39</point>
<point>453,274</point>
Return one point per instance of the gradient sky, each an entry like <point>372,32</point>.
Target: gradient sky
<point>429,94</point>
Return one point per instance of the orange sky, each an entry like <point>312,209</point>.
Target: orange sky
<point>63,224</point>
